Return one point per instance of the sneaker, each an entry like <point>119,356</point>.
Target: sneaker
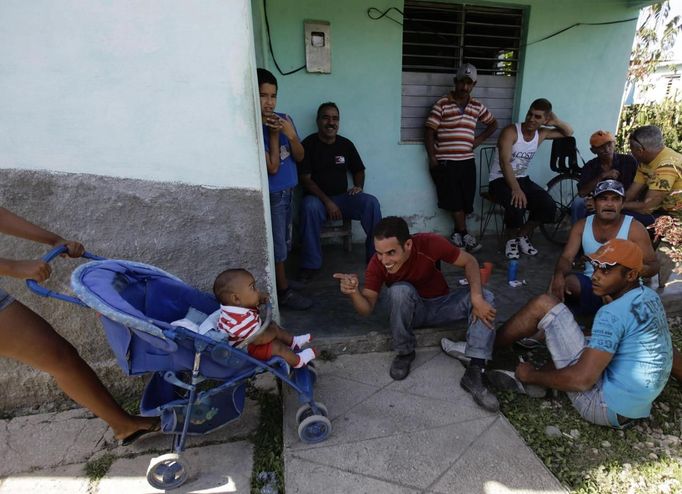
<point>526,247</point>
<point>291,299</point>
<point>455,349</point>
<point>400,367</point>
<point>472,381</point>
<point>511,250</point>
<point>470,243</point>
<point>530,343</point>
<point>507,380</point>
<point>305,275</point>
<point>456,239</point>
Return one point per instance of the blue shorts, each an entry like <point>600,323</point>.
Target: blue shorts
<point>589,303</point>
<point>5,299</point>
<point>280,215</point>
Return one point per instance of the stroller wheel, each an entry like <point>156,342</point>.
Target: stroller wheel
<point>167,471</point>
<point>306,411</point>
<point>314,429</point>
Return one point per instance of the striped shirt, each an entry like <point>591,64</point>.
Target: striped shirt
<point>455,128</point>
<point>238,322</point>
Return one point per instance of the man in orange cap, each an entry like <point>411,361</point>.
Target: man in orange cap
<point>608,165</point>
<point>615,375</point>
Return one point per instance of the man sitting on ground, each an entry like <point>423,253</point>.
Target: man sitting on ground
<point>418,296</point>
<point>608,165</point>
<point>510,184</point>
<point>615,375</point>
<point>659,173</point>
<point>324,176</point>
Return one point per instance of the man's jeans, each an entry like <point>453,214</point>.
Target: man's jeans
<point>280,215</point>
<point>408,311</point>
<point>363,207</point>
<point>578,209</point>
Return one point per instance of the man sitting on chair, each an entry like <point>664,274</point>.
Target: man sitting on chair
<point>510,185</point>
<point>324,175</point>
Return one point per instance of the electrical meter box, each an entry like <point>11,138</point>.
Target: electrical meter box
<point>318,47</point>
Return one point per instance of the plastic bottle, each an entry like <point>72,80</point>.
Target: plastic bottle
<point>512,270</point>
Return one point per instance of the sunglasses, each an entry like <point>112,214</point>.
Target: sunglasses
<point>637,142</point>
<point>604,266</point>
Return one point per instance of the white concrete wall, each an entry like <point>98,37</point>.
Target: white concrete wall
<point>148,89</point>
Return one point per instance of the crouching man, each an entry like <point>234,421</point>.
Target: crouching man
<point>614,375</point>
<point>419,296</point>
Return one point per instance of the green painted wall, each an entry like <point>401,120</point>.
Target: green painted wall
<point>582,71</point>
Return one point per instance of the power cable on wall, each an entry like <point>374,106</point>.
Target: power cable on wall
<point>272,53</point>
<point>376,14</point>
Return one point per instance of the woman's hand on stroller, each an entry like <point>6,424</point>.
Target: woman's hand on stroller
<point>34,269</point>
<point>73,247</point>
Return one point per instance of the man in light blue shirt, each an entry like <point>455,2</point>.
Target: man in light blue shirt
<point>614,375</point>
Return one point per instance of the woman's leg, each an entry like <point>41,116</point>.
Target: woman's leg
<point>28,338</point>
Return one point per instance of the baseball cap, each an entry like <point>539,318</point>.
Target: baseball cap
<point>466,71</point>
<point>618,251</point>
<point>609,186</point>
<point>600,138</point>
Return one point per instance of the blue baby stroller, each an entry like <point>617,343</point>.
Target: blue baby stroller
<point>137,303</point>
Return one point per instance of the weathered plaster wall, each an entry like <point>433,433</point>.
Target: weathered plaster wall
<point>190,231</point>
<point>582,71</point>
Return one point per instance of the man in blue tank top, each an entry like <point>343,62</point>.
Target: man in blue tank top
<point>615,375</point>
<point>575,289</point>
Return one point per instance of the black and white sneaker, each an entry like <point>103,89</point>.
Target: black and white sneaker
<point>511,250</point>
<point>526,247</point>
<point>471,244</point>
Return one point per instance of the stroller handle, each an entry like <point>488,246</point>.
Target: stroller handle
<point>38,289</point>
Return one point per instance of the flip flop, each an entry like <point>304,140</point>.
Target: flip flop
<point>138,434</point>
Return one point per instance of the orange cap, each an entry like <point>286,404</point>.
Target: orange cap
<point>619,251</point>
<point>600,138</point>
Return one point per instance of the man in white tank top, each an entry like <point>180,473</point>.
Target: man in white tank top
<point>575,289</point>
<point>509,182</point>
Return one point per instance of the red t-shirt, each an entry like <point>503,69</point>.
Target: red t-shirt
<point>420,268</point>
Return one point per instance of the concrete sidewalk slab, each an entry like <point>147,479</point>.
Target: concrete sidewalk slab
<point>423,434</point>
<point>220,468</point>
<point>69,479</point>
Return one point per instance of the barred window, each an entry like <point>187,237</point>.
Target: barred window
<point>438,38</point>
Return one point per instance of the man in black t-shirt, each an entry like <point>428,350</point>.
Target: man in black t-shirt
<point>608,165</point>
<point>324,170</point>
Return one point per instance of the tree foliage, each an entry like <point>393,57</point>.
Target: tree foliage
<point>667,115</point>
<point>654,40</point>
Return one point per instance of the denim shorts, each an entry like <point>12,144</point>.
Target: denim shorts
<point>280,214</point>
<point>566,342</point>
<point>5,299</point>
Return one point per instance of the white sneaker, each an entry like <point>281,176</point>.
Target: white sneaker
<point>511,250</point>
<point>526,247</point>
<point>456,349</point>
<point>456,238</point>
<point>470,243</point>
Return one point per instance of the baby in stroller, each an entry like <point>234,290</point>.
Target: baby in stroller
<point>239,299</point>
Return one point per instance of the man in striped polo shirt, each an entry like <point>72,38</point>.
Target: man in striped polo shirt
<point>450,141</point>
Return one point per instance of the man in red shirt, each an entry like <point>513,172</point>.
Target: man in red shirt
<point>419,296</point>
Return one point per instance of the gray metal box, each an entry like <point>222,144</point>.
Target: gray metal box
<point>318,47</point>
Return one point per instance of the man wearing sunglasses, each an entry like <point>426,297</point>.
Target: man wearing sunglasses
<point>575,289</point>
<point>659,174</point>
<point>613,376</point>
